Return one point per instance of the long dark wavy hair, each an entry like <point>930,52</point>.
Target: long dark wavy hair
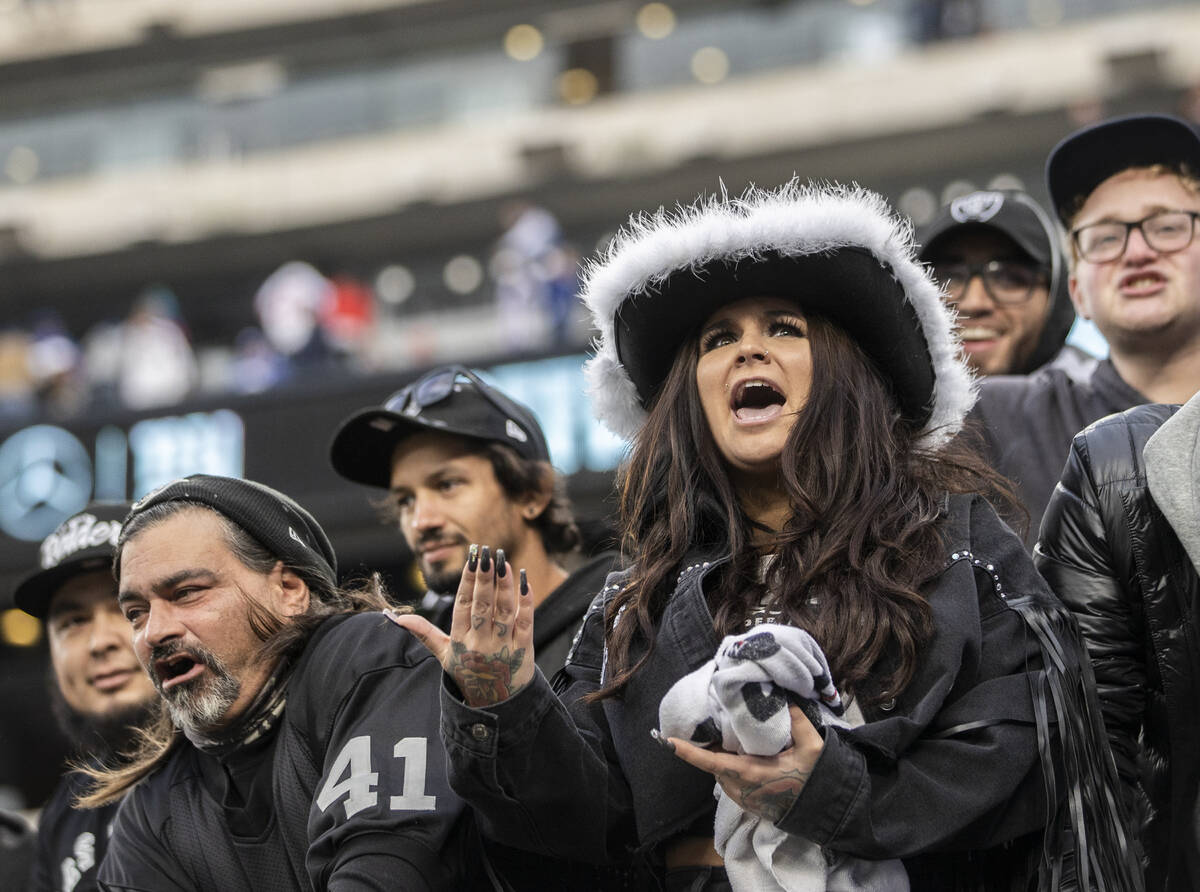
<point>282,639</point>
<point>862,537</point>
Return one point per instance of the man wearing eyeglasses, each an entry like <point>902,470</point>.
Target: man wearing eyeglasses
<point>996,255</point>
<point>464,464</point>
<point>1126,190</point>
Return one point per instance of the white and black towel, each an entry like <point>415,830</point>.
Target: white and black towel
<point>739,701</point>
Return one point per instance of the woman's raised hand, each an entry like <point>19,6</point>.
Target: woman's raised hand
<point>489,651</point>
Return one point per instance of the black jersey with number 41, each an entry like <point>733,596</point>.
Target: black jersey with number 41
<point>348,792</point>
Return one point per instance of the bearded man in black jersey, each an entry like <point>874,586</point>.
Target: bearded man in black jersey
<point>297,745</point>
<point>98,691</point>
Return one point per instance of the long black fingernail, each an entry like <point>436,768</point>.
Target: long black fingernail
<point>473,558</point>
<point>485,560</point>
<point>500,570</point>
<point>524,582</point>
<point>662,741</point>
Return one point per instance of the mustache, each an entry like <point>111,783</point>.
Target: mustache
<point>438,536</point>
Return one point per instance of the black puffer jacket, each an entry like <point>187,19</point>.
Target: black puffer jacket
<point>1108,552</point>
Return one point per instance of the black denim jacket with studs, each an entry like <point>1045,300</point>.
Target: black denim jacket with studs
<point>953,764</point>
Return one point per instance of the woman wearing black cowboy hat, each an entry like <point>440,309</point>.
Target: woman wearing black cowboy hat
<point>790,384</point>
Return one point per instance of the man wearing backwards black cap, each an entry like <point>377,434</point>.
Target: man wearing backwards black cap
<point>1127,192</point>
<point>99,692</point>
<point>996,254</point>
<point>297,747</point>
<point>465,464</point>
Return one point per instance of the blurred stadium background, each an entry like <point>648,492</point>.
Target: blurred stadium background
<point>224,226</point>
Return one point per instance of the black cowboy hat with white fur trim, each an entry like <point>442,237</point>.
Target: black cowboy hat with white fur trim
<point>838,251</point>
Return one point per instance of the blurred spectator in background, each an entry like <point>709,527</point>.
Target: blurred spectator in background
<point>289,305</point>
<point>996,256</point>
<point>535,274</point>
<point>347,316</point>
<point>257,366</point>
<point>17,400</point>
<point>102,349</point>
<point>1126,191</point>
<point>54,362</point>
<point>562,268</point>
<point>157,365</point>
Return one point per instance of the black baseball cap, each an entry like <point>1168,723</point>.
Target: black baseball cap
<point>82,543</point>
<point>452,399</point>
<point>1008,211</point>
<point>277,521</point>
<point>1088,157</point>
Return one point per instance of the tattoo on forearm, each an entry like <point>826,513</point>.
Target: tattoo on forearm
<point>485,679</point>
<point>771,798</point>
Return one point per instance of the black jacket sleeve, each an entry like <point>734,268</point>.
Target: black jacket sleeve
<point>539,770</point>
<point>1083,552</point>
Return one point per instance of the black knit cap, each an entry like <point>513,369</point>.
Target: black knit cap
<point>278,522</point>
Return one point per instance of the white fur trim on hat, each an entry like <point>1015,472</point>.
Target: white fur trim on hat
<point>796,219</point>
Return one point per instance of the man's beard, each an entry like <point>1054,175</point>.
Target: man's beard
<point>197,706</point>
<point>100,737</point>
<point>444,582</point>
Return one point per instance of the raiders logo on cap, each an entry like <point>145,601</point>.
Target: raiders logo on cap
<point>81,532</point>
<point>978,207</point>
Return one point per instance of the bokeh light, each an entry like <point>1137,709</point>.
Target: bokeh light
<point>22,164</point>
<point>710,65</point>
<point>523,42</point>
<point>577,86</point>
<point>395,284</point>
<point>656,20</point>
<point>462,274</point>
<point>19,629</point>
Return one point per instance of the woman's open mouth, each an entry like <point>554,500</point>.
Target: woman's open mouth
<point>756,400</point>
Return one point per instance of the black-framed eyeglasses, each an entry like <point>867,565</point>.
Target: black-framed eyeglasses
<point>433,387</point>
<point>1005,281</point>
<point>1166,232</point>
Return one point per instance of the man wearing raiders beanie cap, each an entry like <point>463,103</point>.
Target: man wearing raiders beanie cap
<point>98,691</point>
<point>292,747</point>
